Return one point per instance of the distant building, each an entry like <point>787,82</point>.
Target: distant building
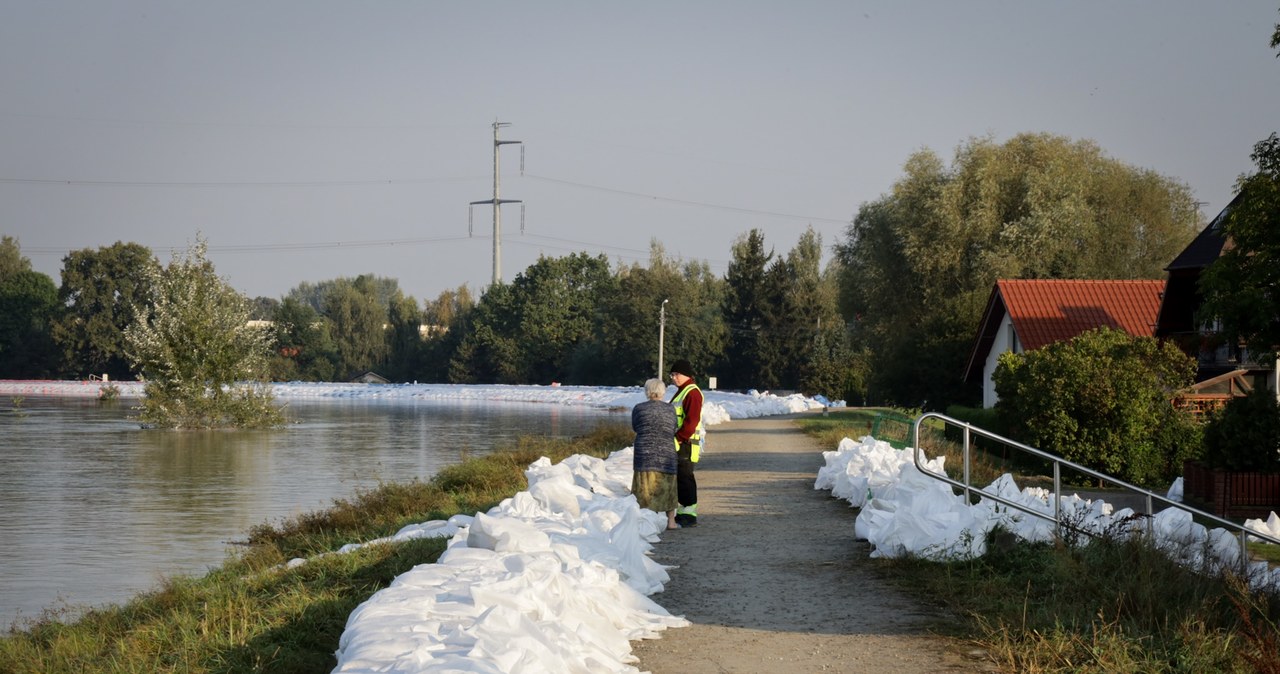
<point>371,377</point>
<point>1024,315</point>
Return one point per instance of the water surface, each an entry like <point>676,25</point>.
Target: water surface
<point>94,509</point>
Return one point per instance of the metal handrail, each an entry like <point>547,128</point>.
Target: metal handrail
<point>1058,463</point>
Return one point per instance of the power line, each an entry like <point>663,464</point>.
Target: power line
<point>275,247</point>
<point>686,202</point>
<point>232,183</point>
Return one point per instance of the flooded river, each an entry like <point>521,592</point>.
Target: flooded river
<point>94,509</point>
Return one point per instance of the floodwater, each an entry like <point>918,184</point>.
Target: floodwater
<point>94,509</point>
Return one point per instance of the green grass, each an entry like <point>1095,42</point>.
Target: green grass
<point>1104,606</point>
<point>252,614</point>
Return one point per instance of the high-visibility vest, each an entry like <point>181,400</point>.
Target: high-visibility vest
<point>695,440</point>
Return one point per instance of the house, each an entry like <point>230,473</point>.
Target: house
<point>1222,369</point>
<point>1024,315</point>
<point>371,378</point>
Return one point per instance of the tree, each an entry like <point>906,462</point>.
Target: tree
<point>1241,288</point>
<point>12,260</point>
<point>695,327</point>
<point>304,345</point>
<point>263,308</point>
<point>919,263</point>
<point>535,325</point>
<point>99,290</point>
<point>448,320</point>
<point>1103,400</point>
<point>448,307</point>
<point>404,338</point>
<point>28,308</point>
<point>627,336</point>
<point>486,354</point>
<point>835,366</point>
<point>745,310</point>
<point>202,362</point>
<point>799,309</point>
<point>358,317</point>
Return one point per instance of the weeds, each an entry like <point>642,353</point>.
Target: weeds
<point>1106,605</point>
<point>1114,604</point>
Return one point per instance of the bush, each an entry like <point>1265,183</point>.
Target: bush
<point>986,419</point>
<point>1103,400</point>
<point>1245,434</point>
<point>204,365</point>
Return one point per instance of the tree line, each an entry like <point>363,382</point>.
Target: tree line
<point>889,319</point>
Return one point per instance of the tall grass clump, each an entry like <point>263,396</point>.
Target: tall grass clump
<point>257,614</point>
<point>1106,605</point>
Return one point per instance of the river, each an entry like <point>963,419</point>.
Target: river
<point>94,509</point>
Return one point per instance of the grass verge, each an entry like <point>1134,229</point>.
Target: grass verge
<point>1103,606</point>
<point>254,615</point>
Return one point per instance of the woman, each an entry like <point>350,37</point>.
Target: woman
<point>654,482</point>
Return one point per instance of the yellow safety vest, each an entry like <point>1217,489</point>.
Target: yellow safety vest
<point>695,440</point>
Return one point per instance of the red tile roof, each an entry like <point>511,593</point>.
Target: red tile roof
<point>1045,311</point>
<point>1053,310</point>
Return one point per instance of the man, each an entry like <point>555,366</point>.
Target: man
<point>689,435</point>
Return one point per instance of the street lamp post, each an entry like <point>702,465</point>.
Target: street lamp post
<point>662,328</point>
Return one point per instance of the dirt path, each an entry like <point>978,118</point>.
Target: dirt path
<point>772,578</point>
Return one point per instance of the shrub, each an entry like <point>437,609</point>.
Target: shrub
<point>204,365</point>
<point>1245,434</point>
<point>1103,400</point>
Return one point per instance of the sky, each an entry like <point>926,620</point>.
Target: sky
<point>307,141</point>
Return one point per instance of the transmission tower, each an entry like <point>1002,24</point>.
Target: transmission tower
<point>497,202</point>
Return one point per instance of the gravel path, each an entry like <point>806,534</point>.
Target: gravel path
<point>772,578</point>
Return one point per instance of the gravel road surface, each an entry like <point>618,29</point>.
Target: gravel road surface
<point>773,580</point>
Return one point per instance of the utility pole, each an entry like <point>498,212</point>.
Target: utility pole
<point>497,202</point>
<point>662,328</point>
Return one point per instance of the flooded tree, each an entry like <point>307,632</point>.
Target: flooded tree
<point>204,365</point>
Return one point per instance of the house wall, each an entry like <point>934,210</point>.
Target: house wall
<point>1006,340</point>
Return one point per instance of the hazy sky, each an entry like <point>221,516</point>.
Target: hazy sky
<point>307,140</point>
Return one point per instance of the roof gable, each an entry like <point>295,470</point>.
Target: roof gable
<point>1044,311</point>
<point>1048,311</point>
<point>1207,245</point>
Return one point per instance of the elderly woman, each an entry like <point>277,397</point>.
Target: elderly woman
<point>654,422</point>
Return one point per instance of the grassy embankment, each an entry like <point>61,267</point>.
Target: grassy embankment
<point>1102,606</point>
<point>253,615</point>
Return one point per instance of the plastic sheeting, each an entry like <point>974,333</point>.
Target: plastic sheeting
<point>553,579</point>
<point>905,512</point>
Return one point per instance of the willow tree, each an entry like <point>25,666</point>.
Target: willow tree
<point>203,364</point>
<point>919,263</point>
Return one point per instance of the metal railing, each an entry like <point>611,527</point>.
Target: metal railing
<point>1150,498</point>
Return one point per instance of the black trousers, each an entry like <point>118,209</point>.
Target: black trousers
<point>686,483</point>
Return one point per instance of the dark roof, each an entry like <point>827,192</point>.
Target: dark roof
<point>1207,245</point>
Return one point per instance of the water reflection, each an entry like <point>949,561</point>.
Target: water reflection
<point>94,509</point>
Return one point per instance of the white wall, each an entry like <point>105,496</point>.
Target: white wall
<point>1006,340</point>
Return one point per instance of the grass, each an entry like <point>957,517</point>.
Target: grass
<point>252,613</point>
<point>1106,605</point>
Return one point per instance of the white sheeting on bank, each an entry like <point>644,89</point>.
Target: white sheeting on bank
<point>905,512</point>
<point>551,580</point>
<point>719,406</point>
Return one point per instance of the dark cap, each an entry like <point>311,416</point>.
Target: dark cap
<point>683,367</point>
